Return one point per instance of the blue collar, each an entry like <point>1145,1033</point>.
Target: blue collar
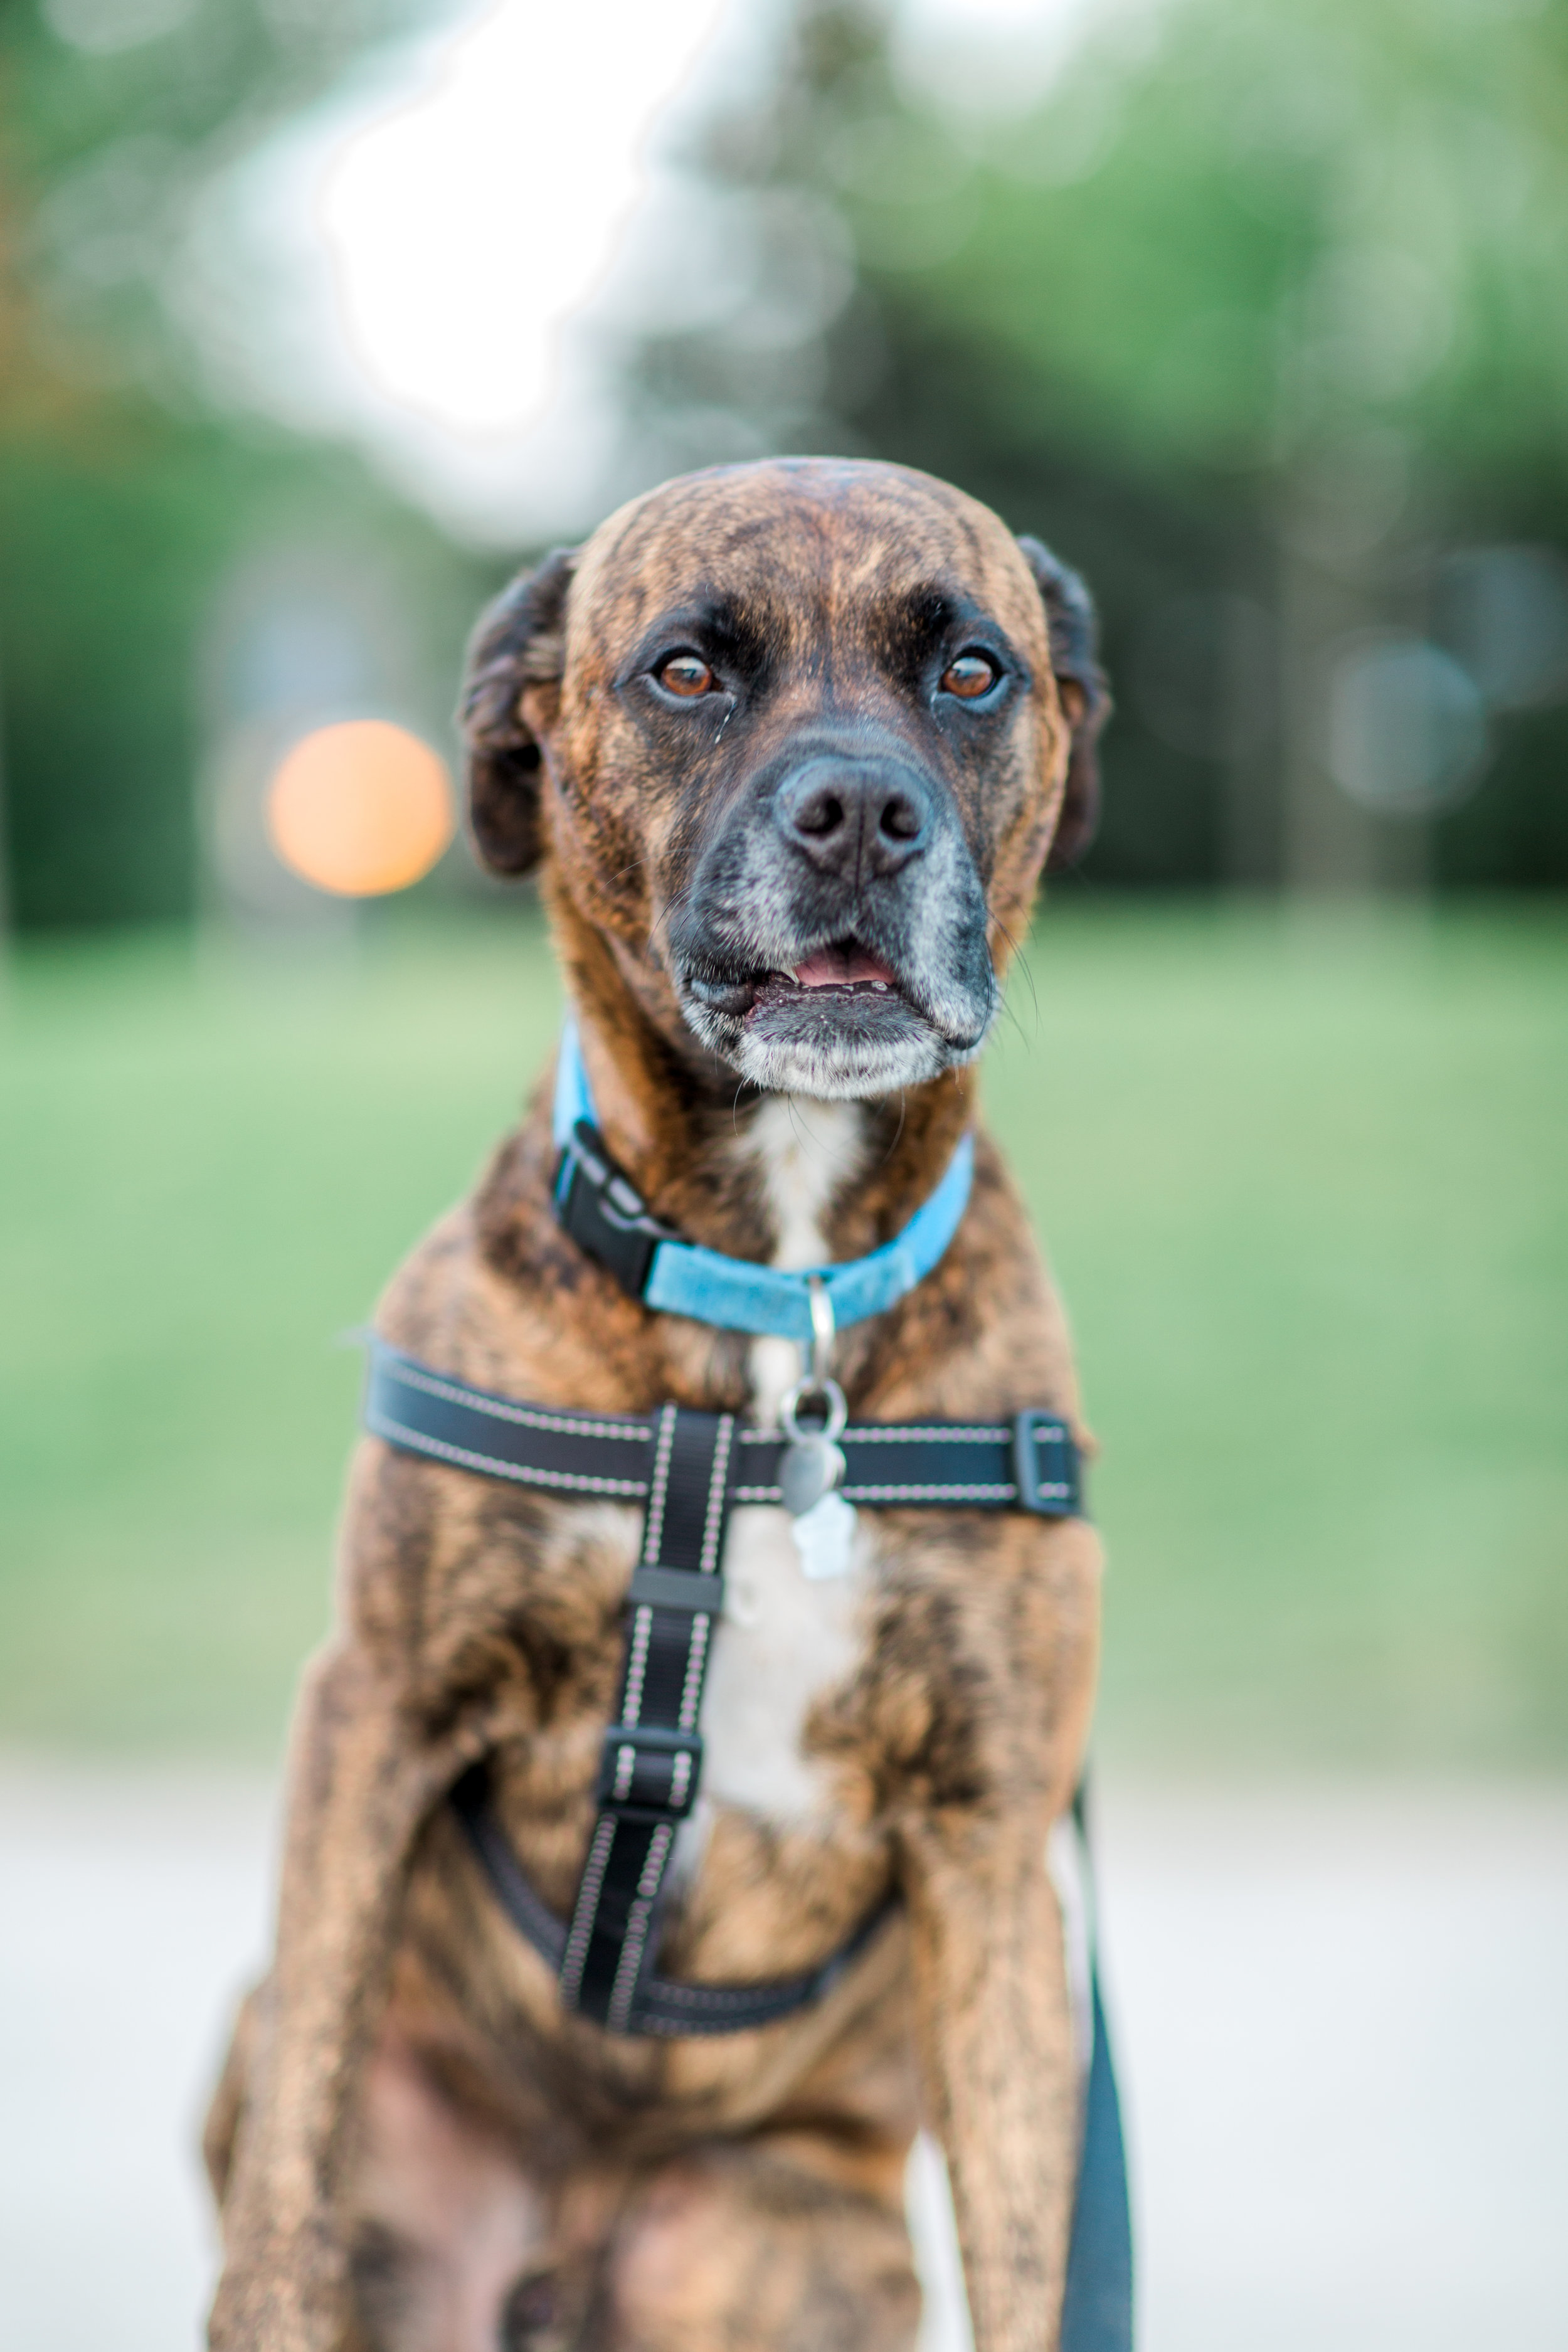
<point>602,1212</point>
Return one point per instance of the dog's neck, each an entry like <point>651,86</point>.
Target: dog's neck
<point>770,1177</point>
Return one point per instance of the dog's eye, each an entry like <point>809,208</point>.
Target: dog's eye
<point>973,674</point>
<point>686,673</point>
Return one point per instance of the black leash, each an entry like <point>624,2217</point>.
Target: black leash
<point>1097,2306</point>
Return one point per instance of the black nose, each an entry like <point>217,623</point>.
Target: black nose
<point>857,818</point>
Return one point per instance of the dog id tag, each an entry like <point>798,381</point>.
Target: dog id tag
<point>824,1537</point>
<point>821,1522</point>
<point>811,1468</point>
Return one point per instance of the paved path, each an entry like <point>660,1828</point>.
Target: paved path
<point>1343,2014</point>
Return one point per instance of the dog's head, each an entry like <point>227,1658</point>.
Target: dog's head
<point>796,739</point>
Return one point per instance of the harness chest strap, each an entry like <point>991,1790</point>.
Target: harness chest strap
<point>1029,1464</point>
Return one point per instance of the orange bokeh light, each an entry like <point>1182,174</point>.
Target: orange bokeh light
<point>361,808</point>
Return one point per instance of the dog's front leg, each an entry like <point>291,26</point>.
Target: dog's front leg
<point>362,1777</point>
<point>996,2046</point>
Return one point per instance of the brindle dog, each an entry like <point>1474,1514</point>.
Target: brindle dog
<point>789,743</point>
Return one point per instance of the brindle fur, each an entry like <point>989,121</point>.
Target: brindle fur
<point>415,2149</point>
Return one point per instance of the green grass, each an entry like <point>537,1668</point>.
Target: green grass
<point>1302,1178</point>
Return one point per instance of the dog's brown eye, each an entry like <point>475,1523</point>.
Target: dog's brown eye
<point>970,674</point>
<point>686,673</point>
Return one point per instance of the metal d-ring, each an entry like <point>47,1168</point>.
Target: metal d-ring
<point>815,1380</point>
<point>833,1405</point>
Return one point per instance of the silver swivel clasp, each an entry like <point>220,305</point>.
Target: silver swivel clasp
<point>812,1468</point>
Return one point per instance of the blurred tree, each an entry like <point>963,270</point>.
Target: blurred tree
<point>1260,315</point>
<point>126,494</point>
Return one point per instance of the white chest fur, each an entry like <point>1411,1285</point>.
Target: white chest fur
<point>783,1640</point>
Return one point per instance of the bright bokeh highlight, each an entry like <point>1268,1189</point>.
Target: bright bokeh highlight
<point>475,196</point>
<point>361,808</point>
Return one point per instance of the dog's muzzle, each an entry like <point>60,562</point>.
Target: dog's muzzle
<point>833,940</point>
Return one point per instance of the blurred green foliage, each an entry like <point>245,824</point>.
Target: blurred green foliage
<point>115,542</point>
<point>127,492</point>
<point>1301,1176</point>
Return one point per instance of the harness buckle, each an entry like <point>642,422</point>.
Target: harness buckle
<point>1054,1496</point>
<point>649,1774</point>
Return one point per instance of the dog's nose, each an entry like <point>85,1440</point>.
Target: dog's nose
<point>857,818</point>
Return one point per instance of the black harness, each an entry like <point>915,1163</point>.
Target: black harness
<point>689,1470</point>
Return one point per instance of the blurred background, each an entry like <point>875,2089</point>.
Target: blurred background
<point>317,317</point>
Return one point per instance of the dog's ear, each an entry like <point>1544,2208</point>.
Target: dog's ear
<point>521,641</point>
<point>1080,681</point>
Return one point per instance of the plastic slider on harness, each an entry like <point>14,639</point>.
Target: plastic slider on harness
<point>646,1774</point>
<point>604,1213</point>
<point>1059,1487</point>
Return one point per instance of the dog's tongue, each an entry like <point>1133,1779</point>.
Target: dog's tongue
<point>840,968</point>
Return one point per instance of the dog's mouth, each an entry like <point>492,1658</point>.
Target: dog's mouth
<point>834,978</point>
<point>843,1020</point>
<point>845,969</point>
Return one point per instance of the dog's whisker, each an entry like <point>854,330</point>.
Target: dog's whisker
<point>1019,962</point>
<point>898,1130</point>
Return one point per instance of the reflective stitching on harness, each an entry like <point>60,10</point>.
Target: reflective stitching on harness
<point>529,1416</point>
<point>993,1494</point>
<point>380,1424</point>
<point>713,1527</point>
<point>998,1492</point>
<point>874,1435</point>
<point>880,1433</point>
<point>691,1689</point>
<point>574,1958</point>
<point>654,1534</point>
<point>636,1664</point>
<point>618,2012</point>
